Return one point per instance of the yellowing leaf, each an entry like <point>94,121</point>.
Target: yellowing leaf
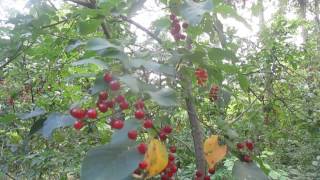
<point>214,152</point>
<point>156,157</point>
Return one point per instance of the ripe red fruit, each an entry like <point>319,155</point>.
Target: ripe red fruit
<point>206,178</point>
<point>148,123</point>
<point>120,98</point>
<point>167,129</point>
<point>173,168</point>
<point>102,107</point>
<point>114,85</point>
<point>139,114</point>
<point>171,157</point>
<point>107,77</point>
<point>142,148</point>
<point>92,113</point>
<point>170,174</point>
<point>78,113</point>
<point>103,95</point>
<point>249,145</point>
<point>246,158</point>
<point>162,136</point>
<point>182,36</point>
<point>143,165</point>
<point>173,17</point>
<point>110,104</point>
<point>185,25</point>
<point>139,104</point>
<point>78,125</point>
<point>117,124</point>
<point>133,134</point>
<point>164,177</point>
<point>198,173</point>
<point>173,149</point>
<point>124,105</point>
<point>240,146</point>
<point>212,170</point>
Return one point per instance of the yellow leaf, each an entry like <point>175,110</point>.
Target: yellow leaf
<point>156,157</point>
<point>214,152</point>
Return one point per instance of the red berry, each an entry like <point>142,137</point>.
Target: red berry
<point>92,113</point>
<point>124,105</point>
<point>173,168</point>
<point>182,36</point>
<point>139,104</point>
<point>102,107</point>
<point>143,165</point>
<point>249,145</point>
<point>162,136</point>
<point>167,129</point>
<point>110,104</point>
<point>107,77</point>
<point>133,134</point>
<point>137,172</point>
<point>117,124</point>
<point>173,149</point>
<point>212,170</point>
<point>206,178</point>
<point>240,145</point>
<point>120,98</point>
<point>173,17</point>
<point>139,114</point>
<point>198,173</point>
<point>148,123</point>
<point>103,95</point>
<point>164,177</point>
<point>142,148</point>
<point>246,158</point>
<point>114,85</point>
<point>171,157</point>
<point>78,113</point>
<point>78,125</point>
<point>185,25</point>
<point>170,174</point>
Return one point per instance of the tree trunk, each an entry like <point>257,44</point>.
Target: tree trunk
<point>302,15</point>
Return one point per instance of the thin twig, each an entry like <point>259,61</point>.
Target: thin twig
<point>245,111</point>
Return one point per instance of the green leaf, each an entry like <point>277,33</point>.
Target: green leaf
<point>219,54</point>
<point>74,45</point>
<point>247,171</point>
<point>152,66</point>
<point>136,5</point>
<point>7,118</point>
<point>121,136</point>
<point>88,27</point>
<point>111,161</point>
<point>131,82</point>
<point>34,113</point>
<point>99,85</point>
<point>227,10</point>
<point>54,121</point>
<point>243,81</point>
<point>36,126</point>
<point>194,11</point>
<point>100,44</point>
<point>91,60</point>
<point>164,97</point>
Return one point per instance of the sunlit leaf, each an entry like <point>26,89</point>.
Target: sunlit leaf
<point>91,60</point>
<point>194,11</point>
<point>164,97</point>
<point>100,44</point>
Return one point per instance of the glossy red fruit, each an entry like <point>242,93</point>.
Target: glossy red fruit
<point>240,146</point>
<point>167,129</point>
<point>102,107</point>
<point>206,178</point>
<point>246,158</point>
<point>142,148</point>
<point>249,145</point>
<point>114,85</point>
<point>78,125</point>
<point>103,95</point>
<point>212,170</point>
<point>199,173</point>
<point>185,25</point>
<point>139,114</point>
<point>133,134</point>
<point>110,104</point>
<point>173,17</point>
<point>139,104</point>
<point>120,98</point>
<point>78,113</point>
<point>182,36</point>
<point>124,105</point>
<point>173,168</point>
<point>170,174</point>
<point>148,123</point>
<point>107,77</point>
<point>171,157</point>
<point>173,149</point>
<point>164,177</point>
<point>162,136</point>
<point>92,113</point>
<point>118,124</point>
<point>143,165</point>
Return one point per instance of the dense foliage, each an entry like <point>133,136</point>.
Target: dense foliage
<point>89,92</point>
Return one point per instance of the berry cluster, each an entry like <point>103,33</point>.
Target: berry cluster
<point>202,76</point>
<point>171,168</point>
<point>176,28</point>
<point>213,95</point>
<point>248,144</point>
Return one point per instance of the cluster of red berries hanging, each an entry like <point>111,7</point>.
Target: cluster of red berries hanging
<point>171,169</point>
<point>202,76</point>
<point>176,28</point>
<point>213,94</point>
<point>200,175</point>
<point>245,148</point>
